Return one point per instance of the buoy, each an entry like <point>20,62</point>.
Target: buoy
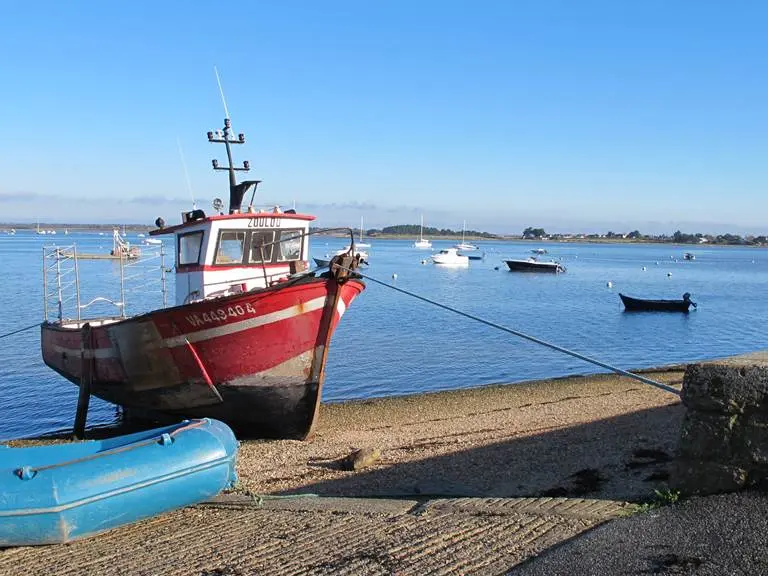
<point>609,284</point>
<point>495,267</point>
<point>669,274</point>
<point>657,263</point>
<point>423,261</point>
<point>394,276</point>
<point>643,268</point>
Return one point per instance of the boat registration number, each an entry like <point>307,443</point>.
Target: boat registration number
<point>220,315</point>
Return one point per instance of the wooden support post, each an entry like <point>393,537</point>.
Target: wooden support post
<point>86,375</point>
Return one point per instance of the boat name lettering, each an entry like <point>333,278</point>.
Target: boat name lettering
<point>264,222</point>
<point>220,315</point>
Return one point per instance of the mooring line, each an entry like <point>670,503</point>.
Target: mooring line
<point>20,330</point>
<point>642,379</point>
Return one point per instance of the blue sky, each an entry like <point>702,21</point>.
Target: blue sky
<point>588,115</point>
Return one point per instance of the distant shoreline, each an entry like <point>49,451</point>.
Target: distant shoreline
<point>539,242</point>
<point>6,227</point>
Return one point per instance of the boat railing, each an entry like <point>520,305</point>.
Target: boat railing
<point>60,281</point>
<point>62,289</point>
<point>140,275</point>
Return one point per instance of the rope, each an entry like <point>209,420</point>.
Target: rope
<point>20,330</point>
<point>642,379</point>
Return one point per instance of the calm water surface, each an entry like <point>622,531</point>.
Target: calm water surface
<point>391,344</point>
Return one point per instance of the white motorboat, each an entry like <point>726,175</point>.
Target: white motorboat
<point>155,241</point>
<point>422,242</point>
<point>450,257</point>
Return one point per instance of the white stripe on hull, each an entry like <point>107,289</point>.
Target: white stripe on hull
<point>215,332</point>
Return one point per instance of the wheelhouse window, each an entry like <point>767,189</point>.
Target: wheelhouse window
<point>230,247</point>
<point>290,245</point>
<point>189,248</point>
<point>262,242</point>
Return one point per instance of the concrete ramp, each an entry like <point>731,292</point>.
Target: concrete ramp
<point>237,535</point>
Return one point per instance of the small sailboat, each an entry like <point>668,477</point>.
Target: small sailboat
<point>422,242</point>
<point>58,493</point>
<point>465,245</point>
<point>362,244</point>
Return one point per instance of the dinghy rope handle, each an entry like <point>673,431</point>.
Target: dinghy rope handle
<point>643,379</point>
<point>164,439</point>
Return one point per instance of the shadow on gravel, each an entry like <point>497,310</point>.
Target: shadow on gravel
<point>624,457</point>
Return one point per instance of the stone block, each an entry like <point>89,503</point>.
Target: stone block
<point>752,444</point>
<point>697,477</point>
<point>707,436</point>
<point>725,388</point>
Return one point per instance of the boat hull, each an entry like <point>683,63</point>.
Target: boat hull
<point>254,360</point>
<point>531,266</point>
<point>56,494</point>
<point>640,305</point>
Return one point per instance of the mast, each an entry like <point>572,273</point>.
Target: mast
<point>236,191</point>
<point>421,228</point>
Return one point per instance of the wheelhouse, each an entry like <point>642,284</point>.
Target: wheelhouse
<point>226,254</point>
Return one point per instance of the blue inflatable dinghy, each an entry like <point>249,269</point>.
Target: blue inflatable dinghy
<point>54,494</point>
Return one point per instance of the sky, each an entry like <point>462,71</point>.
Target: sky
<point>571,116</point>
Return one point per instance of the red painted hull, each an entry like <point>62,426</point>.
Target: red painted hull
<point>254,360</point>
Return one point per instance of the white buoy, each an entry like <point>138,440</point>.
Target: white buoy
<point>643,268</point>
<point>394,276</point>
<point>609,284</point>
<point>423,261</point>
<point>669,274</point>
<point>657,263</point>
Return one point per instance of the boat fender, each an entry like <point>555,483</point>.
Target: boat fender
<point>166,439</point>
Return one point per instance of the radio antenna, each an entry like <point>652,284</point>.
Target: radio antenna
<point>186,174</point>
<point>236,191</point>
<point>221,91</point>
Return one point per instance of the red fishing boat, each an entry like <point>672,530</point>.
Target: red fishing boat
<point>247,339</point>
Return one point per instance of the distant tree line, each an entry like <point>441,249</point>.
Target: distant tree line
<point>677,238</point>
<point>413,230</point>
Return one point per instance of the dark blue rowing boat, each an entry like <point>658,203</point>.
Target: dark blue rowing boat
<point>637,304</point>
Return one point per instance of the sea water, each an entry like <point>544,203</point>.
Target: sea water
<point>389,343</point>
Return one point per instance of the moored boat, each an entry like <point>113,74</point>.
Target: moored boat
<point>422,243</point>
<point>533,265</point>
<point>62,492</point>
<point>465,246</point>
<point>639,304</point>
<point>450,257</point>
<point>248,337</point>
